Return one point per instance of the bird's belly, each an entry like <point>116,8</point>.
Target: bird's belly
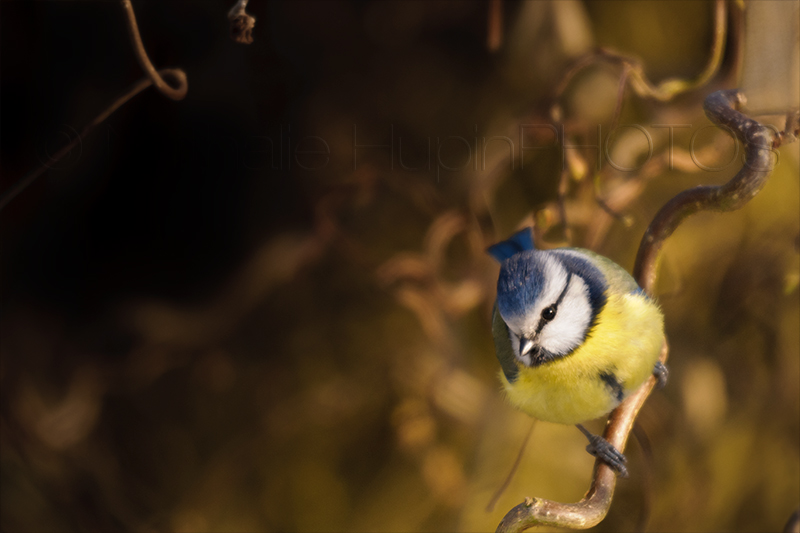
<point>560,399</point>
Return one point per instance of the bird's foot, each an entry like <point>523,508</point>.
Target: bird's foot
<point>603,450</point>
<point>661,372</point>
<point>606,452</point>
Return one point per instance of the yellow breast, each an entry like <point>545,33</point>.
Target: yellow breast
<point>625,343</point>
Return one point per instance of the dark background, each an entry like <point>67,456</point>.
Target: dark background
<point>198,334</point>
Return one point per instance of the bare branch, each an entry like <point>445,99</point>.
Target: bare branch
<point>500,490</point>
<point>179,77</point>
<point>591,510</point>
<point>153,77</point>
<point>494,37</point>
<point>20,186</point>
<point>759,142</point>
<point>633,71</point>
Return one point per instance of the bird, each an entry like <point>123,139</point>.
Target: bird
<point>574,334</point>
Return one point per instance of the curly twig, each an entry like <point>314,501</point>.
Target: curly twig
<point>633,74</point>
<point>242,23</point>
<point>181,85</point>
<point>759,141</point>
<point>153,78</point>
<point>640,83</point>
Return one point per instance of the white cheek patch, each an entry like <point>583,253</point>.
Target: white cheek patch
<point>568,328</point>
<point>573,316</point>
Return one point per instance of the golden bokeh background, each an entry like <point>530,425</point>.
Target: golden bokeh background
<point>199,334</point>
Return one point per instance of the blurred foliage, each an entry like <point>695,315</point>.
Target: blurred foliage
<point>195,340</point>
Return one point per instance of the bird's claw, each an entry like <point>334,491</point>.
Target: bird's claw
<point>661,372</point>
<point>606,452</point>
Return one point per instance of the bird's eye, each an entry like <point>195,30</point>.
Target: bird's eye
<point>549,313</point>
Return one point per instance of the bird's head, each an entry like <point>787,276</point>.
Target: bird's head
<point>549,300</point>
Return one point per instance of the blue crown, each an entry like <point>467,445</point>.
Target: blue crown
<point>520,282</point>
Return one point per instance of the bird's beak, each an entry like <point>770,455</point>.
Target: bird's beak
<point>525,346</point>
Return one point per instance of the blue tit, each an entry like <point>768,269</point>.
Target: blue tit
<point>574,334</point>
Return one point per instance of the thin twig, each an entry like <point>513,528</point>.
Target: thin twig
<point>633,74</point>
<point>20,185</point>
<point>502,488</point>
<point>178,76</point>
<point>620,217</point>
<point>759,141</point>
<point>591,510</point>
<point>734,46</point>
<point>181,84</point>
<point>623,82</point>
<point>647,475</point>
<point>494,35</point>
<point>563,189</point>
<point>634,71</point>
<point>668,89</point>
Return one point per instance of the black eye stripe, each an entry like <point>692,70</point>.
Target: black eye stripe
<point>596,283</point>
<point>542,320</point>
<point>564,292</point>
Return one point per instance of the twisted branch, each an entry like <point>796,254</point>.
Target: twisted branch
<point>633,74</point>
<point>179,76</point>
<point>154,77</point>
<point>633,70</point>
<point>759,141</point>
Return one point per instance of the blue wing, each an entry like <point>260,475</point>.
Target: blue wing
<point>519,242</point>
